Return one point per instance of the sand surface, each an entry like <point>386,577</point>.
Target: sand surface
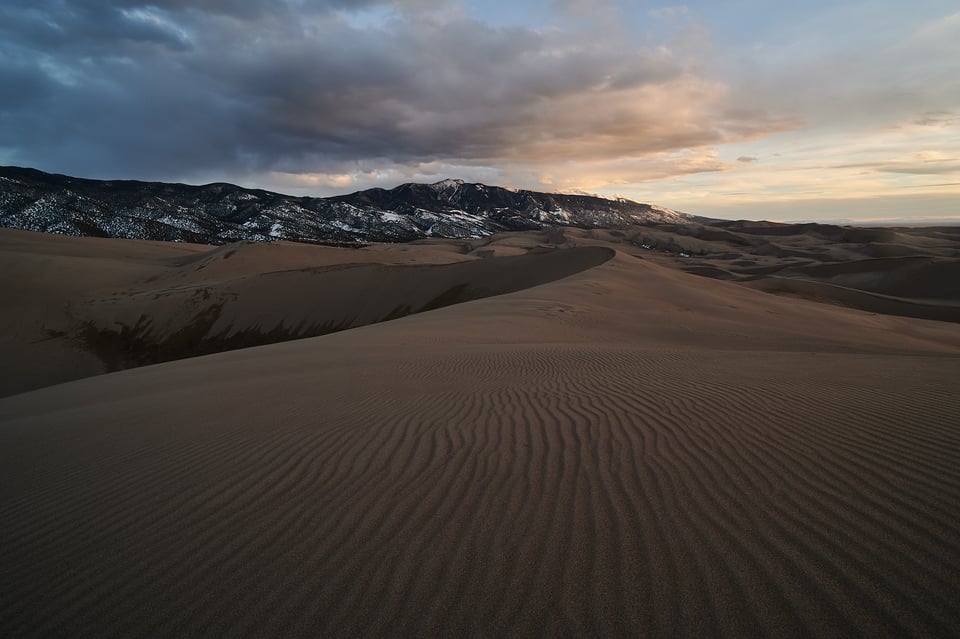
<point>608,446</point>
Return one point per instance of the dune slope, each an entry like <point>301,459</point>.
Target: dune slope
<point>629,451</point>
<point>899,271</point>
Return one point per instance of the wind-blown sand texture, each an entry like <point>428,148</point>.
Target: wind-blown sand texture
<point>623,449</point>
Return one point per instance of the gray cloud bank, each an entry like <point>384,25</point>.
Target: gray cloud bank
<point>173,89</point>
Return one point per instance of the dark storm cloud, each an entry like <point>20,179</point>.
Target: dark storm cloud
<point>173,89</point>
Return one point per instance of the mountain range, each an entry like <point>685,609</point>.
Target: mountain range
<point>222,213</point>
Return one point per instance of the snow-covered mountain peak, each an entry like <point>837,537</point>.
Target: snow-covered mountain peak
<point>448,183</point>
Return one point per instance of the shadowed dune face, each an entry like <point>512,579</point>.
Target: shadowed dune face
<point>630,450</point>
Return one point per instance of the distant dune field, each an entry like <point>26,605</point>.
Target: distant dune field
<point>555,434</point>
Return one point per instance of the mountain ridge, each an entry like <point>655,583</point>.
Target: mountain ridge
<point>220,212</point>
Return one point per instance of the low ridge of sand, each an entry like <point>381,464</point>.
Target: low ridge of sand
<point>621,448</point>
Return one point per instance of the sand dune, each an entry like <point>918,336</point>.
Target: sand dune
<point>130,303</point>
<point>909,272</point>
<point>629,450</point>
<point>115,312</point>
<point>856,298</point>
<point>154,325</point>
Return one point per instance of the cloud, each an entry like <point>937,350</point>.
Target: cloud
<point>851,66</point>
<point>172,89</point>
<point>942,119</point>
<point>899,154</point>
<point>746,159</point>
<point>911,167</point>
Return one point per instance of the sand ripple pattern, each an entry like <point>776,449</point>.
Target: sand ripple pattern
<point>503,491</point>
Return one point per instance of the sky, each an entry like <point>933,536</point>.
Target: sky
<point>740,109</point>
